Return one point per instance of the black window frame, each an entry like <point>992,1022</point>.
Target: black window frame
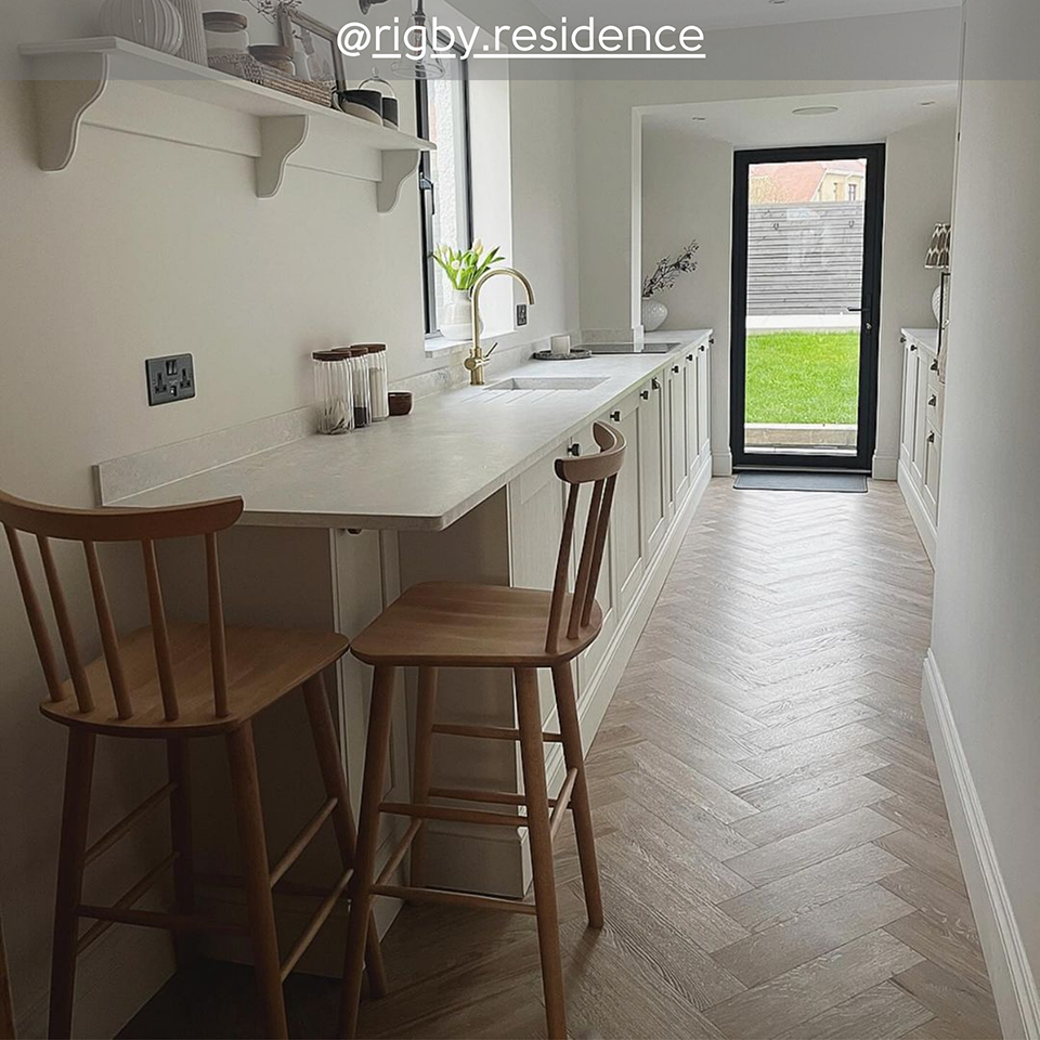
<point>428,189</point>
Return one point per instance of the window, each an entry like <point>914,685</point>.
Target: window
<point>853,191</point>
<point>445,178</point>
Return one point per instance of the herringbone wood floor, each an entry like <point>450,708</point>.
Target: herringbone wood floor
<point>776,856</point>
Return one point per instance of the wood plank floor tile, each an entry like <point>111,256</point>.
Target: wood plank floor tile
<point>811,725</point>
<point>900,753</point>
<point>803,813</point>
<point>798,851</point>
<point>806,752</point>
<point>833,878</point>
<point>942,946</point>
<point>883,1013</point>
<point>812,988</point>
<point>912,786</point>
<point>934,860</point>
<point>811,779</point>
<point>962,1012</point>
<point>912,817</point>
<point>766,954</point>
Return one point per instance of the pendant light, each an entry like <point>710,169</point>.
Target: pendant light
<point>430,67</point>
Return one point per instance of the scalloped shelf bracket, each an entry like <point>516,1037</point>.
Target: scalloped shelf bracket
<point>280,137</point>
<point>62,102</point>
<point>397,168</point>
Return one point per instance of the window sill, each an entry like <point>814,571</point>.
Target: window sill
<point>438,346</point>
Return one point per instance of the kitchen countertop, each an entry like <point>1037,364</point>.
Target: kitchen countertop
<point>426,470</point>
<point>927,338</point>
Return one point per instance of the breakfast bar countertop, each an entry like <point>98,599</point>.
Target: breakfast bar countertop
<point>426,470</point>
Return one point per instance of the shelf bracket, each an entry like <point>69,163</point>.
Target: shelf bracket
<point>64,91</point>
<point>397,168</point>
<point>280,137</point>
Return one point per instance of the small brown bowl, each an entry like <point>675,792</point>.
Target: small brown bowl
<point>401,404</point>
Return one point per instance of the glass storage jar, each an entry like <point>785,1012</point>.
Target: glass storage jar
<point>334,388</point>
<point>378,380</point>
<point>225,33</point>
<point>362,387</point>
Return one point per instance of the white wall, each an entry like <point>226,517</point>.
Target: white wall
<point>918,195</point>
<point>688,193</point>
<point>141,248</point>
<point>987,594</point>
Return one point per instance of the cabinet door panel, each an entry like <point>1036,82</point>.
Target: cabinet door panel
<point>627,521</point>
<point>653,485</point>
<point>693,409</point>
<point>704,400</point>
<point>932,472</point>
<point>920,417</point>
<point>909,423</point>
<point>678,423</point>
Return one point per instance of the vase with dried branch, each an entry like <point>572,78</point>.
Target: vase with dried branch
<point>668,272</point>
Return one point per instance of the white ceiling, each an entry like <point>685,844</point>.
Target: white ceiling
<point>727,14</point>
<point>863,117</point>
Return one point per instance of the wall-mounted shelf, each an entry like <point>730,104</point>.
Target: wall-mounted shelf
<point>119,85</point>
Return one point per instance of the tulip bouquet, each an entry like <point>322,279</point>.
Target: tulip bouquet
<point>465,269</point>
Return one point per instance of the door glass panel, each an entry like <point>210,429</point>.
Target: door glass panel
<point>806,225</point>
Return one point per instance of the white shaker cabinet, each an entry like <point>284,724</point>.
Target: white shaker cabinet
<point>920,451</point>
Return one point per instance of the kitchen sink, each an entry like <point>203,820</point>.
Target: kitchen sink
<point>549,383</point>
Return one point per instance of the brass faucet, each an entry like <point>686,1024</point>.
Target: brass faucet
<point>477,360</point>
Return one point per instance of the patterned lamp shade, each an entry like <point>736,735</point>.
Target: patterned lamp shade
<point>938,258</point>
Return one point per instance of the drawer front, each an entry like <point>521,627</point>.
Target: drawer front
<point>932,471</point>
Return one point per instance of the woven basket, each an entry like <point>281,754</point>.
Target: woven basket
<point>244,66</point>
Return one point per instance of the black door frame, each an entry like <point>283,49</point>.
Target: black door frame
<point>871,304</point>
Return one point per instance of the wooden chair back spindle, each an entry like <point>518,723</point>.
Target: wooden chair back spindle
<point>93,526</point>
<point>601,471</point>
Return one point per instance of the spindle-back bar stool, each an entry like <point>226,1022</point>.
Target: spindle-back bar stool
<point>477,626</point>
<point>176,682</point>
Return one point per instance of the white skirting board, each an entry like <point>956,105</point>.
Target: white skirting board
<point>918,513</point>
<point>886,467</point>
<point>1014,986</point>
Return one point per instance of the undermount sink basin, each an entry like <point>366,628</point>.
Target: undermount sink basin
<point>548,383</point>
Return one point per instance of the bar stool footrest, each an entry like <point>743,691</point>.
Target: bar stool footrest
<point>443,897</point>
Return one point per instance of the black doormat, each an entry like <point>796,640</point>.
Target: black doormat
<point>838,483</point>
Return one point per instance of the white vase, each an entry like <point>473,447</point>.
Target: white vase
<point>457,322</point>
<point>937,305</point>
<point>193,48</point>
<point>151,23</point>
<point>655,314</point>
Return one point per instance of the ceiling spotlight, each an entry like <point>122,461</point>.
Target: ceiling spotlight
<point>928,104</point>
<point>777,2</point>
<point>699,119</point>
<point>367,5</point>
<point>816,110</point>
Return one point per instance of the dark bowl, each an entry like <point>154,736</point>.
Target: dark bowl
<point>401,404</point>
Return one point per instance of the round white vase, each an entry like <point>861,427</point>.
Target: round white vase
<point>151,23</point>
<point>655,314</point>
<point>457,322</point>
<point>937,304</point>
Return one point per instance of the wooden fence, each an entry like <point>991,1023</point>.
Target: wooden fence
<point>805,258</point>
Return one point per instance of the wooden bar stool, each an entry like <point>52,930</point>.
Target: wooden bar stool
<point>477,626</point>
<point>175,683</point>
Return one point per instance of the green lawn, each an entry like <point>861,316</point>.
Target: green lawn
<point>802,377</point>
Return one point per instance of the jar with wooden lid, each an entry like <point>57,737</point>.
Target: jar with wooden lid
<point>362,387</point>
<point>226,33</point>
<point>334,388</point>
<point>378,380</point>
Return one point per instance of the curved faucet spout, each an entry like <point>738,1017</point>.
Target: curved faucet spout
<point>477,360</point>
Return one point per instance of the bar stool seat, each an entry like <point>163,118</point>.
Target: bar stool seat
<point>263,665</point>
<point>447,624</point>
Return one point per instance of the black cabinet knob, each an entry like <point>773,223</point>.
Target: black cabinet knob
<point>655,383</point>
<point>644,394</point>
<point>676,369</point>
<point>933,400</point>
<point>575,450</point>
<point>615,417</point>
<point>690,357</point>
